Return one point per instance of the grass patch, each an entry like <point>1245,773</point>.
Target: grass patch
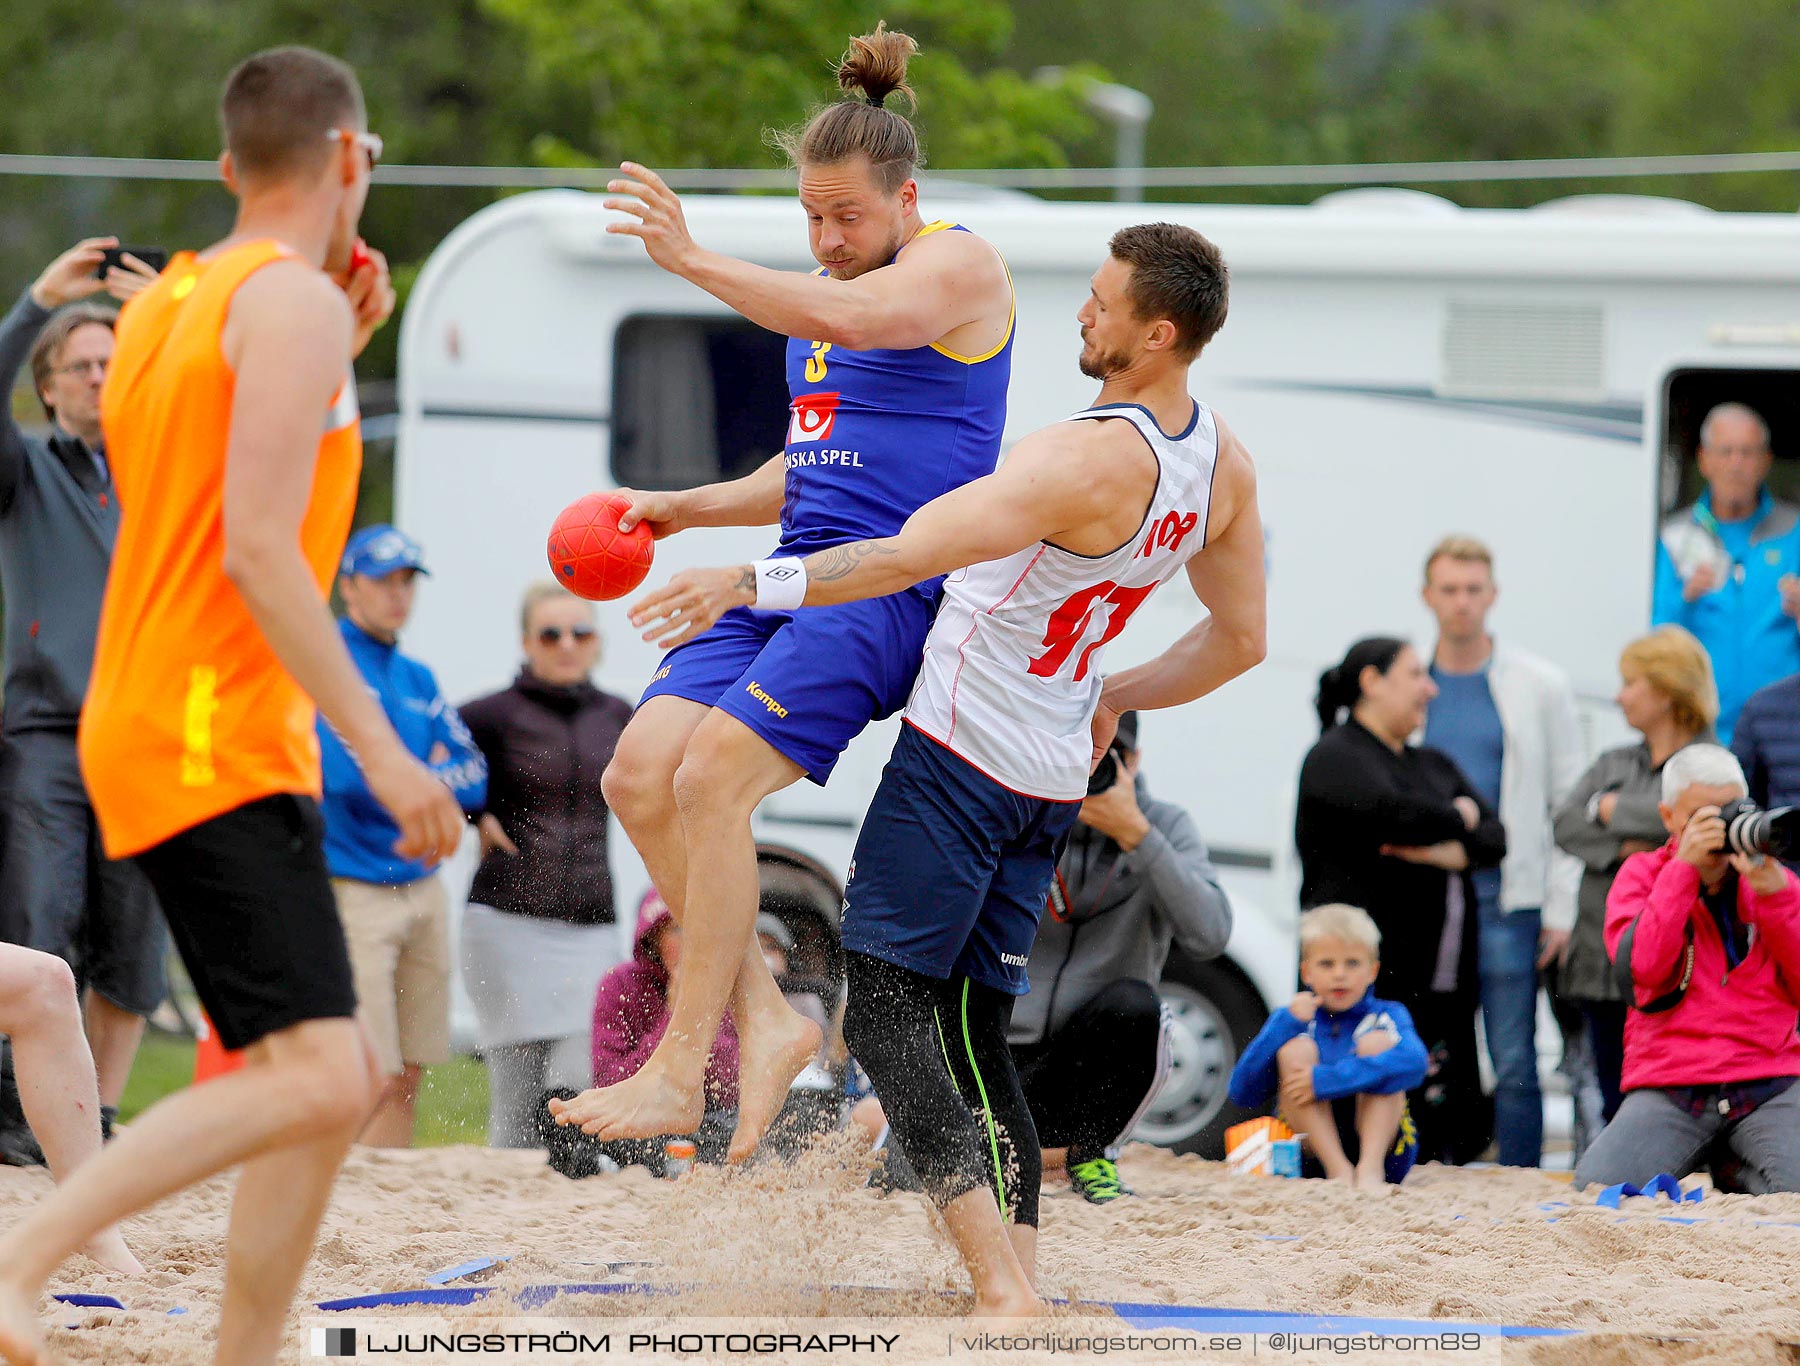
<point>453,1098</point>
<point>164,1063</point>
<point>453,1104</point>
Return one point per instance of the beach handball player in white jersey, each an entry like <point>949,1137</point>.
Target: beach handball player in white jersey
<point>1052,554</point>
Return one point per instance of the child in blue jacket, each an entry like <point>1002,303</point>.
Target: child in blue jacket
<point>1341,1059</point>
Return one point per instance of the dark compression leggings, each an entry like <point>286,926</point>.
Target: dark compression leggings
<point>937,1055</point>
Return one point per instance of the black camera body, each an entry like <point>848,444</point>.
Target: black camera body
<point>1106,772</point>
<point>1751,831</point>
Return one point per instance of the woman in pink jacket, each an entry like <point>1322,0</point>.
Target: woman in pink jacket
<point>1711,941</point>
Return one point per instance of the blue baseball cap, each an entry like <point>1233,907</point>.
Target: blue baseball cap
<point>381,549</point>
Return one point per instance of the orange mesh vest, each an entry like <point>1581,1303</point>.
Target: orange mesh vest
<point>189,713</point>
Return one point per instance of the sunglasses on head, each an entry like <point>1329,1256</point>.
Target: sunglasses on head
<point>552,635</point>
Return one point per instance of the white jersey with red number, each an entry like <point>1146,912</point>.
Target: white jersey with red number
<point>1011,673</point>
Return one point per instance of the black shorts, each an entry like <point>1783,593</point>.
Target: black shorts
<point>249,903</point>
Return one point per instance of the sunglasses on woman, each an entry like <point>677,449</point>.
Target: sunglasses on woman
<point>552,635</point>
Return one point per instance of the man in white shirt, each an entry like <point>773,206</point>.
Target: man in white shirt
<point>1508,719</point>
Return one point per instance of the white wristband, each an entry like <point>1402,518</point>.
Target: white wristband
<point>780,584</point>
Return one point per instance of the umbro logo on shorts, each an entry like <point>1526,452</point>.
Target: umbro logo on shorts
<point>1014,960</point>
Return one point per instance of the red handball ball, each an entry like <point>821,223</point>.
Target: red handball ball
<point>590,556</point>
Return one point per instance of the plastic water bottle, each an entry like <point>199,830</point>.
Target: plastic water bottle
<point>1284,1156</point>
<point>678,1157</point>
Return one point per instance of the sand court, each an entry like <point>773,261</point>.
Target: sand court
<point>1649,1281</point>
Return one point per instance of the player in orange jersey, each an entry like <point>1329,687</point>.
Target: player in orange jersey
<point>231,425</point>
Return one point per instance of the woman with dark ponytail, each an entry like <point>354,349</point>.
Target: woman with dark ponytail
<point>1395,829</point>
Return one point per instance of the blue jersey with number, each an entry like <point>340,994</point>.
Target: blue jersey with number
<point>875,435</point>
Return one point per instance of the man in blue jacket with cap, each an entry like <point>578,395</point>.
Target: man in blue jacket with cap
<point>394,909</point>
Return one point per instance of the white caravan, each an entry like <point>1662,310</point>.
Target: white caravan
<point>1399,368</point>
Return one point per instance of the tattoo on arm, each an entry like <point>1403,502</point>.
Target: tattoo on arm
<point>840,561</point>
<point>747,580</point>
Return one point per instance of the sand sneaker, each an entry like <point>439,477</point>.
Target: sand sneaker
<point>1097,1180</point>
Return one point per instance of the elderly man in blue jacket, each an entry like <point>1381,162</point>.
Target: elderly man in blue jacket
<point>394,909</point>
<point>1728,566</point>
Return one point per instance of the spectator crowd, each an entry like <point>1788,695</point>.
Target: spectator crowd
<point>1459,852</point>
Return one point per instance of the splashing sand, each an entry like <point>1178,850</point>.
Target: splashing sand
<point>797,1243</point>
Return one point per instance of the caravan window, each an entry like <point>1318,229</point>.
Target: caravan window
<point>1690,394</point>
<point>695,400</point>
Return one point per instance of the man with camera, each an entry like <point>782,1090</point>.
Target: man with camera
<point>1704,935</point>
<point>58,518</point>
<point>1088,1039</point>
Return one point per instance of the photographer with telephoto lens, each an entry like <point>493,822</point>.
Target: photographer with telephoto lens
<point>1704,934</point>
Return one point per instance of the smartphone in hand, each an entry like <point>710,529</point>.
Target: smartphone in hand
<point>154,257</point>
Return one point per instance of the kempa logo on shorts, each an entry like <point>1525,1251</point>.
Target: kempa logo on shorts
<point>334,1342</point>
<point>775,708</point>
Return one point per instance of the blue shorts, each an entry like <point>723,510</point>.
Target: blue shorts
<point>952,869</point>
<point>807,682</point>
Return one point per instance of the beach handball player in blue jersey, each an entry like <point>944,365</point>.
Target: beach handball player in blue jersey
<point>897,368</point>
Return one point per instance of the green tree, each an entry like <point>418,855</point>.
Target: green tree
<point>1232,83</point>
<point>1570,78</point>
<point>697,82</point>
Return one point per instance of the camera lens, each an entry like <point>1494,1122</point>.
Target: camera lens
<point>1783,834</point>
<point>1751,831</point>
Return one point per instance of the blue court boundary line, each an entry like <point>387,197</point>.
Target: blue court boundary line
<point>1223,1320</point>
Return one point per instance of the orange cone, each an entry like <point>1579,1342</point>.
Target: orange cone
<point>212,1058</point>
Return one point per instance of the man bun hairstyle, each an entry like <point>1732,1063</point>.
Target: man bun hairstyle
<point>1175,274</point>
<point>861,124</point>
<point>875,64</point>
<point>278,107</point>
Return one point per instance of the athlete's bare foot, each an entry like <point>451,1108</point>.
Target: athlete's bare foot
<point>21,1341</point>
<point>647,1105</point>
<point>1017,1304</point>
<point>772,1051</point>
<point>110,1251</point>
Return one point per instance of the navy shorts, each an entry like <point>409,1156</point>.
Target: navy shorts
<point>1399,1160</point>
<point>807,682</point>
<point>952,869</point>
